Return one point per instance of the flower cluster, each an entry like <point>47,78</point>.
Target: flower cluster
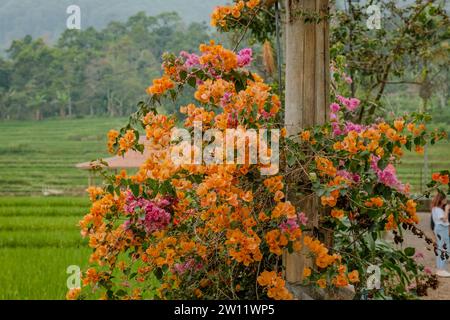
<point>441,178</point>
<point>275,285</point>
<point>222,13</point>
<point>214,231</point>
<point>150,214</point>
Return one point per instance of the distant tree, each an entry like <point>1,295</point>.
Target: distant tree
<point>410,34</point>
<point>91,72</point>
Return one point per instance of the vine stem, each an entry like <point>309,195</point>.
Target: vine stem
<point>246,28</point>
<point>256,281</point>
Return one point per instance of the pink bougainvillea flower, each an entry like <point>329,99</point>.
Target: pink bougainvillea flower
<point>387,176</point>
<point>289,225</point>
<point>351,104</point>
<point>153,216</point>
<point>333,117</point>
<point>334,107</point>
<point>226,99</point>
<point>245,57</point>
<point>302,218</point>
<point>336,129</point>
<point>190,264</point>
<point>350,126</point>
<point>348,175</point>
<point>191,59</point>
<point>418,255</point>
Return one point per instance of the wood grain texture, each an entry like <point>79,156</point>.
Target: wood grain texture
<point>307,96</point>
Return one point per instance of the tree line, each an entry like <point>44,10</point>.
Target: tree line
<point>91,72</point>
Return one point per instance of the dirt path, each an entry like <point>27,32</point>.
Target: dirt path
<point>443,291</point>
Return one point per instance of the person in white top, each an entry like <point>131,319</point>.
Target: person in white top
<point>439,213</point>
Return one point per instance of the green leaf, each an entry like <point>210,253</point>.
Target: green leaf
<point>158,273</point>
<point>135,189</point>
<point>408,145</point>
<point>290,159</point>
<point>110,189</point>
<point>121,293</point>
<point>410,251</point>
<point>374,236</point>
<point>192,81</point>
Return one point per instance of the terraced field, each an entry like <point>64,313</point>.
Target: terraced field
<point>39,239</point>
<point>411,168</point>
<point>40,155</point>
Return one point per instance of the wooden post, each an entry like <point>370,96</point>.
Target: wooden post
<point>307,95</point>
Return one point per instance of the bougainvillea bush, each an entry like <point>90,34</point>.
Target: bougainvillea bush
<point>218,231</point>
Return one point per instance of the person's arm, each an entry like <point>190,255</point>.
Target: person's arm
<point>445,215</point>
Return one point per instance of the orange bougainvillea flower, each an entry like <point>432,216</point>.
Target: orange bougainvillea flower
<point>325,166</point>
<point>435,176</point>
<point>353,276</point>
<point>160,86</point>
<point>198,293</point>
<point>323,259</point>
<point>92,277</point>
<point>305,135</point>
<point>266,278</point>
<point>411,207</point>
<point>284,209</point>
<point>276,286</point>
<point>306,272</point>
<point>442,178</point>
<point>112,139</point>
<point>73,294</point>
<point>274,183</point>
<point>399,125</point>
<point>374,202</point>
<point>337,213</point>
<point>127,141</point>
<point>279,195</point>
<point>340,280</point>
<point>276,241</point>
<point>390,224</point>
<point>218,57</point>
<point>322,283</point>
<point>253,3</point>
<point>247,196</point>
<point>263,217</point>
<point>94,192</point>
<point>329,200</point>
<point>397,151</point>
<point>419,149</point>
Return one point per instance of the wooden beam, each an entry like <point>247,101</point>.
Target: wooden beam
<point>307,97</point>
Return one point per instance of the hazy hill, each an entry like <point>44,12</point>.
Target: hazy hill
<point>47,18</point>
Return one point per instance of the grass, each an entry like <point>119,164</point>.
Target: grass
<point>39,236</point>
<point>411,167</point>
<point>39,239</point>
<point>37,273</point>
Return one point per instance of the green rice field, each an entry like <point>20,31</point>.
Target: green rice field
<point>39,239</point>
<point>36,156</point>
<point>41,155</point>
<point>39,236</point>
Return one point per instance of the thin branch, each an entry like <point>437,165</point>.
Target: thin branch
<point>246,29</point>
